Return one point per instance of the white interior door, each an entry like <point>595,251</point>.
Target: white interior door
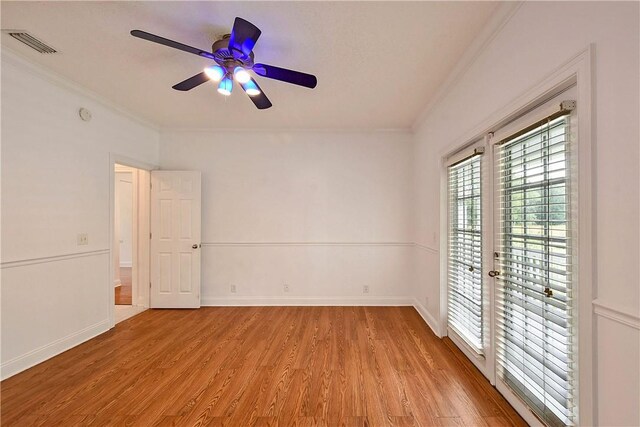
<point>175,239</point>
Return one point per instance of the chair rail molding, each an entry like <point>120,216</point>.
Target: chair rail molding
<point>51,258</point>
<point>604,309</point>
<point>292,243</point>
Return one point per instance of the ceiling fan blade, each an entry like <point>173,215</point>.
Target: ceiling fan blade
<point>176,45</point>
<point>289,76</point>
<point>244,36</point>
<point>261,101</point>
<point>192,82</point>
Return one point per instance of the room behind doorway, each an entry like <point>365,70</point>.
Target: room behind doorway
<point>125,245</point>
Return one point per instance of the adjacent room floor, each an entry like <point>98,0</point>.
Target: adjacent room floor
<point>123,298</point>
<point>123,292</point>
<point>259,365</point>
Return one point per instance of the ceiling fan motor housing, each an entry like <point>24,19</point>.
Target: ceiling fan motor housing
<point>225,58</point>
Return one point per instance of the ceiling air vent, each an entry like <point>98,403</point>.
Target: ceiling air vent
<point>30,41</point>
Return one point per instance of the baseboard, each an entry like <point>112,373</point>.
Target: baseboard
<point>306,301</point>
<point>428,318</point>
<point>39,355</point>
<point>34,357</point>
<point>324,301</point>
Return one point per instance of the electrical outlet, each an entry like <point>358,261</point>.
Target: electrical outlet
<point>365,289</point>
<point>83,239</point>
<point>232,288</point>
<point>285,287</point>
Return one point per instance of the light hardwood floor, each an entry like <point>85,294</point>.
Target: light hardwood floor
<point>240,366</point>
<point>123,292</point>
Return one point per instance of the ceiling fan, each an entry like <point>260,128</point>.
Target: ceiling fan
<point>233,54</point>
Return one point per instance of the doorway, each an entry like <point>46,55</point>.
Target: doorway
<point>130,257</point>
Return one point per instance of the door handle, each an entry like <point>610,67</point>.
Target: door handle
<point>195,246</point>
<point>494,273</point>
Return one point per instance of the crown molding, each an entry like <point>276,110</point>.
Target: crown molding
<point>505,11</point>
<point>65,83</point>
<point>502,15</point>
<point>174,130</point>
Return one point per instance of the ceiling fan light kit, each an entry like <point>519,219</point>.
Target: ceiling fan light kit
<point>226,86</point>
<point>241,75</point>
<point>234,57</point>
<point>215,73</point>
<point>251,88</point>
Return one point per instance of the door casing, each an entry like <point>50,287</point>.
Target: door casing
<point>143,224</point>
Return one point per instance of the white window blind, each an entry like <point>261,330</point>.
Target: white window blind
<point>465,292</point>
<point>535,320</point>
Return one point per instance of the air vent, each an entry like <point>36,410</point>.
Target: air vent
<point>30,41</point>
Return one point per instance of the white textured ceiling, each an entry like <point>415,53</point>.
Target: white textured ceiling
<point>378,63</point>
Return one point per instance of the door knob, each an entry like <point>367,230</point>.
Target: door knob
<point>494,273</point>
<point>195,246</point>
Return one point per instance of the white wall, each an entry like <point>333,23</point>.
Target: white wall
<point>55,184</point>
<point>324,212</point>
<point>540,37</point>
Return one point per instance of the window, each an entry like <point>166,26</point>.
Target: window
<point>534,308</point>
<point>465,314</point>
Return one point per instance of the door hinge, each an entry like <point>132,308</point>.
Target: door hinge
<point>150,236</point>
<point>149,285</point>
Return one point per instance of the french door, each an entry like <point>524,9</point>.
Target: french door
<point>511,260</point>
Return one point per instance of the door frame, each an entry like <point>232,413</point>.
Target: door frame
<point>143,208</point>
<point>579,71</point>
